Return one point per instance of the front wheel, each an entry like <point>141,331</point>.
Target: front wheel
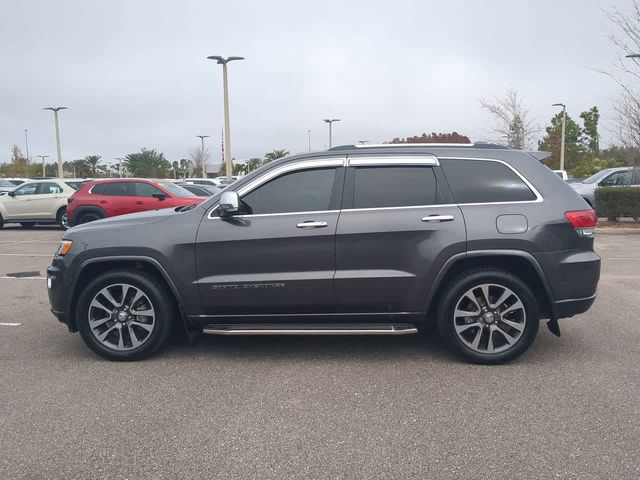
<point>125,315</point>
<point>488,316</point>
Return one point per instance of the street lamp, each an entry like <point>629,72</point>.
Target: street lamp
<point>326,120</point>
<point>120,159</point>
<point>202,159</point>
<point>633,55</point>
<point>564,123</point>
<point>26,142</point>
<point>227,130</point>
<point>43,157</point>
<point>55,111</point>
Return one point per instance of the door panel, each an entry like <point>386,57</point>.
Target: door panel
<point>386,259</point>
<point>259,264</point>
<point>49,197</point>
<point>20,206</point>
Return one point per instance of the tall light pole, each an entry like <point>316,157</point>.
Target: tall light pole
<point>43,157</point>
<point>202,159</point>
<point>309,134</point>
<point>330,121</point>
<point>55,111</point>
<point>26,142</point>
<point>120,165</point>
<point>564,124</point>
<point>227,129</point>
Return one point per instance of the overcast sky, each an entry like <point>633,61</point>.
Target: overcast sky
<point>134,73</point>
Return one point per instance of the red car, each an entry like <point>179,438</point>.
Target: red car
<point>112,197</point>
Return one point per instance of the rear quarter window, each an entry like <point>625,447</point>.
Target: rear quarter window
<point>484,181</point>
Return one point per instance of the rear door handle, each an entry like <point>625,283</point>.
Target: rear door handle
<point>312,224</point>
<point>139,202</point>
<point>438,218</point>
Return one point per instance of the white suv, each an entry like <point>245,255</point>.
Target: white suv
<point>38,201</point>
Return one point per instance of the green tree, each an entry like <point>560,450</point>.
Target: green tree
<point>274,155</point>
<point>147,163</point>
<point>253,163</point>
<point>92,162</point>
<point>590,120</point>
<point>186,167</point>
<point>574,149</point>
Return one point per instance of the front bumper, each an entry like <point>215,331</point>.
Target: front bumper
<point>58,292</point>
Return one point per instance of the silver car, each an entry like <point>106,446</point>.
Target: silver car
<point>610,177</point>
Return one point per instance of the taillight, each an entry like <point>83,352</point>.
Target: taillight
<point>584,221</point>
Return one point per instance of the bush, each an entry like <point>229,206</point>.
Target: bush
<point>616,202</point>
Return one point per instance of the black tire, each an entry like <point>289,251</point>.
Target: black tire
<point>161,301</point>
<point>1,222</point>
<point>61,218</point>
<point>88,217</point>
<point>28,224</point>
<point>455,292</point>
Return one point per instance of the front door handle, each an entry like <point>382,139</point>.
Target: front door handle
<point>438,218</point>
<point>312,224</point>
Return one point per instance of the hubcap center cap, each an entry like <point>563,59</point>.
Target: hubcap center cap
<point>489,317</point>
<point>122,316</point>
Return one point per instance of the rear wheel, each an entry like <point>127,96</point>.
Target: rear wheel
<point>28,224</point>
<point>62,219</point>
<point>88,217</point>
<point>125,315</point>
<point>488,316</point>
<point>1,222</point>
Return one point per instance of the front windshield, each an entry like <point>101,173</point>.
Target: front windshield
<point>596,177</point>
<point>176,190</point>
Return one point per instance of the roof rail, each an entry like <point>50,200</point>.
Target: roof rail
<point>419,145</point>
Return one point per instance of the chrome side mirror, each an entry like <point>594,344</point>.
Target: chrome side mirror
<point>229,203</point>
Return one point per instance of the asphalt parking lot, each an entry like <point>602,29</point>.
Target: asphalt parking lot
<point>318,407</point>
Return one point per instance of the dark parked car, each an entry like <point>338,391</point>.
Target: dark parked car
<point>200,190</point>
<point>482,240</point>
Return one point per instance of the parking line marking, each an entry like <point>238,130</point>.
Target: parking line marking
<point>5,277</point>
<point>26,255</point>
<point>28,241</point>
<point>9,324</point>
<point>622,258</point>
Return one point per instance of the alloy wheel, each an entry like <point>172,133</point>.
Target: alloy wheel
<point>121,317</point>
<point>64,221</point>
<point>489,318</point>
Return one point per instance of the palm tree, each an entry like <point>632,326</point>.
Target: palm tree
<point>92,162</point>
<point>274,155</point>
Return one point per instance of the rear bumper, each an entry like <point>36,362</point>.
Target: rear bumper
<point>574,306</point>
<point>573,277</point>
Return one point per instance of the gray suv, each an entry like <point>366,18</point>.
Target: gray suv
<point>481,240</point>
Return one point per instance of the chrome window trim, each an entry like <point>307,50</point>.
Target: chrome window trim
<point>406,207</point>
<point>286,168</point>
<point>533,189</point>
<point>271,214</point>
<point>395,161</point>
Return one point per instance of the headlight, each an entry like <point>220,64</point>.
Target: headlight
<point>64,247</point>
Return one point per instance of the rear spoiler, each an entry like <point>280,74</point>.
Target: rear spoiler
<point>540,156</point>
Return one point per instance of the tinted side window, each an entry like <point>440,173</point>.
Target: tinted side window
<point>376,187</point>
<point>142,189</point>
<point>119,189</point>
<point>302,191</point>
<point>481,181</point>
<point>618,179</point>
<point>26,189</point>
<point>99,189</point>
<point>48,188</point>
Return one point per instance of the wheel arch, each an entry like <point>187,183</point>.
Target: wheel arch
<point>518,262</point>
<point>81,210</point>
<point>95,266</point>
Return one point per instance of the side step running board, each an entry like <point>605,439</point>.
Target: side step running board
<point>319,329</point>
